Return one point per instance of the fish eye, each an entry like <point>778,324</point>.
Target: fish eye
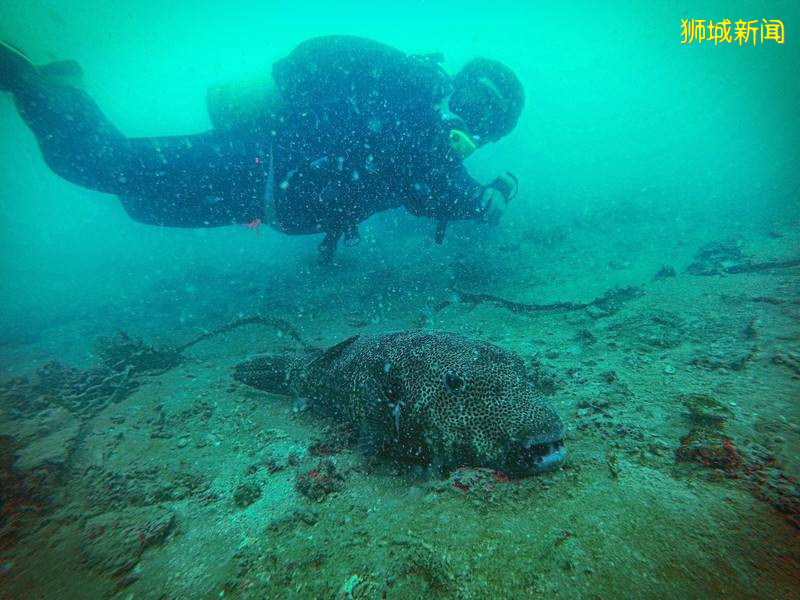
<point>454,382</point>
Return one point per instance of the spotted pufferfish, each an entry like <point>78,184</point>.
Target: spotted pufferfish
<point>435,398</point>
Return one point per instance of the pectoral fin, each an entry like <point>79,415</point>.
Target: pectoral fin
<point>372,435</point>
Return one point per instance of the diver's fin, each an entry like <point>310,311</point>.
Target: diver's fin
<point>64,72</point>
<point>272,374</point>
<point>14,67</point>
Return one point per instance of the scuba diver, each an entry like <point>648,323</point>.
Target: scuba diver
<point>346,128</point>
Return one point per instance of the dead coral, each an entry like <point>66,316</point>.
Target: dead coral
<point>122,352</point>
<point>86,392</point>
<point>320,481</point>
<point>120,359</point>
<point>710,448</point>
<point>713,258</point>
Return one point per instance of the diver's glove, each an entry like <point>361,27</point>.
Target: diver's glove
<point>496,195</point>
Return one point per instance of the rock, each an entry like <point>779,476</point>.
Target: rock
<point>708,447</point>
<point>790,360</point>
<point>595,312</point>
<point>725,353</point>
<point>317,483</point>
<point>665,272</point>
<point>348,589</point>
<point>114,542</point>
<point>584,336</point>
<point>706,410</point>
<point>246,493</point>
<point>53,435</point>
<point>714,258</point>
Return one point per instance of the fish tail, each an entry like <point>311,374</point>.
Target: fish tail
<point>268,373</point>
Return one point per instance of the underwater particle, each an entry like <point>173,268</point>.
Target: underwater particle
<point>246,493</point>
<point>669,370</point>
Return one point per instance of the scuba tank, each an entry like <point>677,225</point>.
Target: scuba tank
<point>244,104</point>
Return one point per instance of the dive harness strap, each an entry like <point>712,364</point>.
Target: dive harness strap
<point>269,216</point>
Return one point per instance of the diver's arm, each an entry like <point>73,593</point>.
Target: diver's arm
<point>451,194</point>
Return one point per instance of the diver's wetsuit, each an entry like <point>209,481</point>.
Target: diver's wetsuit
<point>359,132</point>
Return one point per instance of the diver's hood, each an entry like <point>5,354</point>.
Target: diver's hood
<point>488,97</point>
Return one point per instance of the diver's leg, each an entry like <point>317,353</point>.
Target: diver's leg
<point>327,248</point>
<point>14,66</point>
<point>203,180</point>
<point>76,140</point>
<point>185,181</point>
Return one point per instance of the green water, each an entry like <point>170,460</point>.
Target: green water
<point>633,152</point>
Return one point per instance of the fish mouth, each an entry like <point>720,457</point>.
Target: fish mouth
<point>544,452</point>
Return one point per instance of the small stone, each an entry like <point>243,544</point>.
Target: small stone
<point>595,312</point>
<point>246,493</point>
<point>669,370</point>
<point>183,442</point>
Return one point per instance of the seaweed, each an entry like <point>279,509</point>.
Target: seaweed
<point>122,352</point>
<point>121,358</point>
